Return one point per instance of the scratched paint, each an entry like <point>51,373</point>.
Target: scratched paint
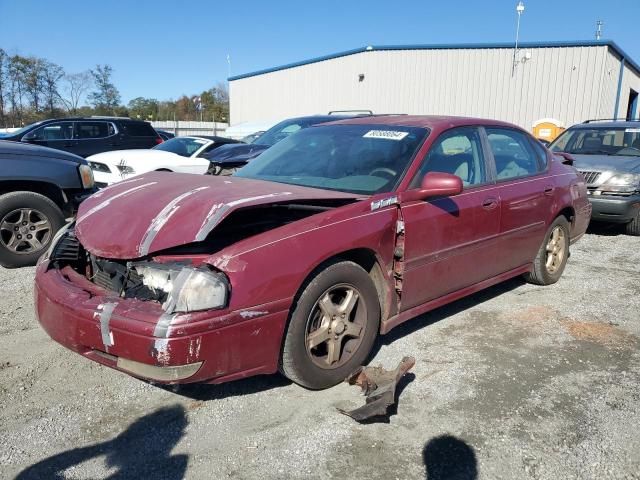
<point>252,314</point>
<point>116,185</point>
<point>161,219</point>
<point>194,349</point>
<point>161,346</point>
<point>106,203</point>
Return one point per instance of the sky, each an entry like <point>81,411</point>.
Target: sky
<point>163,49</point>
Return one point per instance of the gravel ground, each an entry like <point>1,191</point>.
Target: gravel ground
<point>518,381</point>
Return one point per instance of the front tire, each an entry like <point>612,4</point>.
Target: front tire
<point>333,327</point>
<point>28,222</point>
<point>633,227</point>
<point>552,255</point>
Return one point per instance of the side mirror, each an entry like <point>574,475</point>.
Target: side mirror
<point>29,137</point>
<point>567,159</point>
<point>435,184</point>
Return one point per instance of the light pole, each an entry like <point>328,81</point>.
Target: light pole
<point>519,10</point>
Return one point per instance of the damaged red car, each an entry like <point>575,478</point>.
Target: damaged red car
<point>334,235</point>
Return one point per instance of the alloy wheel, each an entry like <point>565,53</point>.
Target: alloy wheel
<point>556,249</point>
<point>25,230</point>
<point>335,326</point>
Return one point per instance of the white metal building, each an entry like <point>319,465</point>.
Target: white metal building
<point>566,81</point>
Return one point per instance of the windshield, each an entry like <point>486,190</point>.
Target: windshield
<point>283,130</point>
<point>183,146</point>
<point>363,159</point>
<point>619,141</point>
<point>21,130</point>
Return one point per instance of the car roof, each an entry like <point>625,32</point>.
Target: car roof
<point>433,122</point>
<point>608,124</point>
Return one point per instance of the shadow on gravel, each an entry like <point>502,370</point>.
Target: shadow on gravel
<point>445,311</point>
<point>142,451</point>
<point>447,457</point>
<point>606,229</point>
<point>247,386</point>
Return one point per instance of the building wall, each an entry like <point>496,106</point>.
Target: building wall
<point>630,80</point>
<point>570,84</point>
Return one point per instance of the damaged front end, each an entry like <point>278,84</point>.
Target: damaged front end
<point>177,286</point>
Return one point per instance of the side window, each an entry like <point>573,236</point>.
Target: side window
<point>53,131</point>
<point>89,130</point>
<point>458,152</point>
<point>542,154</point>
<point>513,153</point>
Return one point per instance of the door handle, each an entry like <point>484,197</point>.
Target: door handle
<point>548,190</point>
<point>490,203</point>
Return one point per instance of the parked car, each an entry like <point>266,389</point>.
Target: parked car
<point>87,136</point>
<point>607,153</point>
<point>165,135</point>
<point>228,159</point>
<point>298,261</point>
<point>179,154</point>
<point>39,188</point>
<point>251,138</point>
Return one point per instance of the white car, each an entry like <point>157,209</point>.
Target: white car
<point>179,154</point>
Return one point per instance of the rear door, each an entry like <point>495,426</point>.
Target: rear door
<point>526,193</point>
<point>94,136</point>
<point>451,243</point>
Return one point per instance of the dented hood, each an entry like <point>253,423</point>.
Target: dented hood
<point>160,210</point>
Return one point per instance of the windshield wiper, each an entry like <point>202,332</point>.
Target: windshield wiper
<point>592,152</point>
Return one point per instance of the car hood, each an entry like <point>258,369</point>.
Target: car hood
<point>115,157</point>
<point>19,148</point>
<point>622,164</point>
<point>157,211</point>
<point>237,152</point>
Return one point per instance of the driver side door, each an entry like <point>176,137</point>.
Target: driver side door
<point>451,242</point>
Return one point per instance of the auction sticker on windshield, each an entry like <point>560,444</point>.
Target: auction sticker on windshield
<point>632,130</point>
<point>385,134</point>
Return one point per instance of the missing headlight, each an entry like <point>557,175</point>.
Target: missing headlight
<point>181,288</point>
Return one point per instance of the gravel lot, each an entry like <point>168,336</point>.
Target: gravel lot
<point>515,382</point>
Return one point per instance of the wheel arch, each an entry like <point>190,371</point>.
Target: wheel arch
<point>364,257</point>
<point>49,190</point>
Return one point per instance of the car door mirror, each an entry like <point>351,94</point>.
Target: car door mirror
<point>565,158</point>
<point>435,184</point>
<point>29,137</point>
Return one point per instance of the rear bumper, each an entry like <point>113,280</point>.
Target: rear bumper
<point>203,347</point>
<point>615,209</point>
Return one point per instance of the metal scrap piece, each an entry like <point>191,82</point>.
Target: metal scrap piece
<point>379,385</point>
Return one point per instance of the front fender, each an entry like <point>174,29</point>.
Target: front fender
<point>273,265</point>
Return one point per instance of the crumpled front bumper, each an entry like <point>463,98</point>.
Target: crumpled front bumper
<point>209,346</point>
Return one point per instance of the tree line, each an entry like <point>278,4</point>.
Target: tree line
<point>33,89</point>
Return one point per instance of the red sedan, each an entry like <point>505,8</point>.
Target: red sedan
<point>336,234</point>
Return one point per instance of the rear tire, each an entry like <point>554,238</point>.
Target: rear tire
<point>633,227</point>
<point>552,255</point>
<point>28,223</point>
<point>333,327</point>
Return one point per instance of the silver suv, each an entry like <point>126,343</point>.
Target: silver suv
<point>607,153</point>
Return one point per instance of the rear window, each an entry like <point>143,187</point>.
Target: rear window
<point>141,129</point>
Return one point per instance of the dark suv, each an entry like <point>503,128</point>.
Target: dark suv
<point>87,136</point>
<point>39,188</point>
<point>607,153</point>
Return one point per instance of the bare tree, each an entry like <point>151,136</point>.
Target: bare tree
<point>75,86</point>
<point>51,75</point>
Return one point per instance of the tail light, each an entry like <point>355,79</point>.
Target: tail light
<point>159,140</point>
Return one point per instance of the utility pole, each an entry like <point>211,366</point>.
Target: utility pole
<point>519,10</point>
<point>599,25</point>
